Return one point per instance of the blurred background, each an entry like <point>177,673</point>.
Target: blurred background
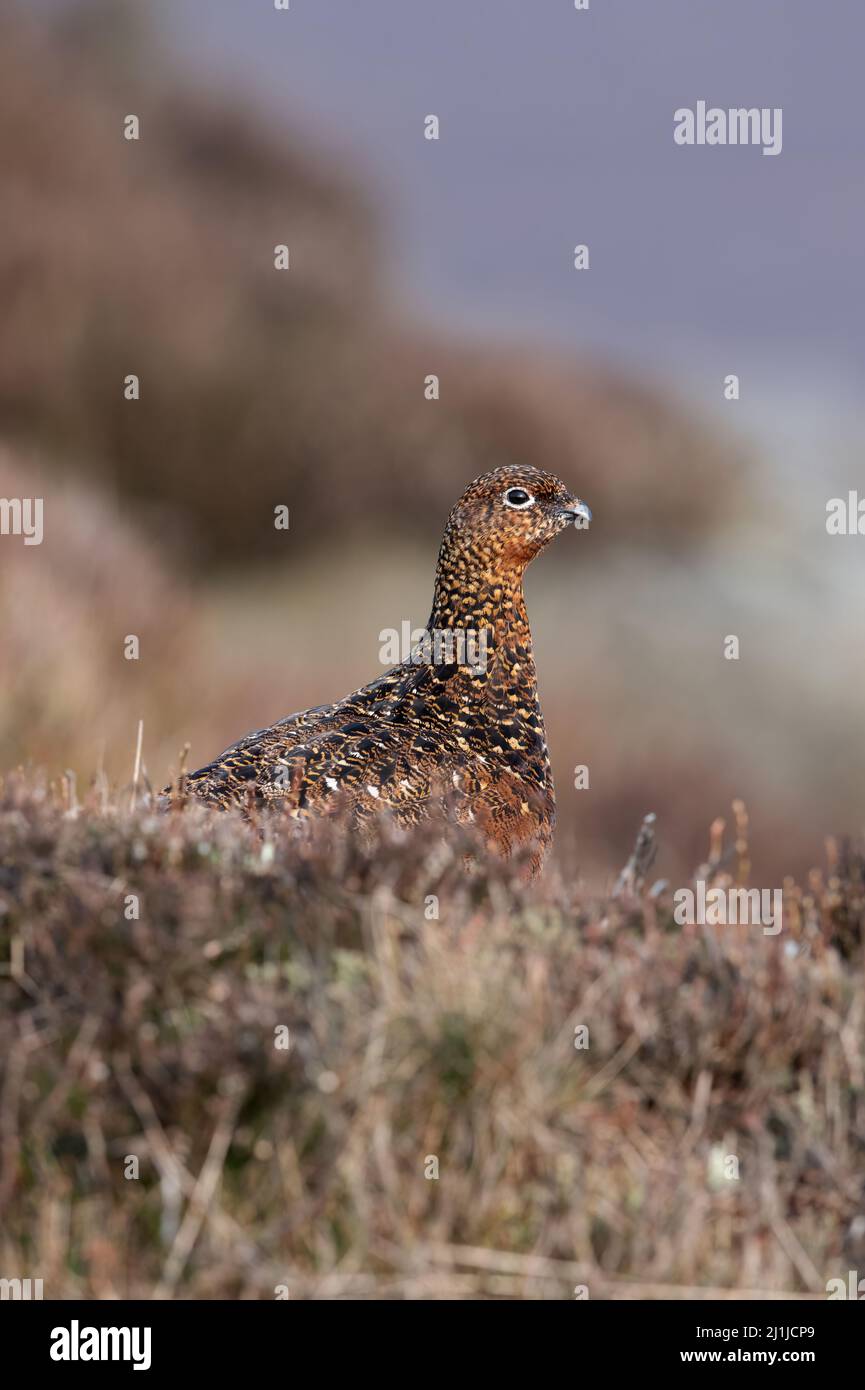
<point>411,257</point>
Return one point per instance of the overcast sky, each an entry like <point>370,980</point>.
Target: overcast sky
<point>557,128</point>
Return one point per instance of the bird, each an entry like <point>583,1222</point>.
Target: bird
<point>458,724</point>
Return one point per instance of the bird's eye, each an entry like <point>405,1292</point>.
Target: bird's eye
<point>518,497</point>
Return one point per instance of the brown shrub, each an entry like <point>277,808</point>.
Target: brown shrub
<point>409,1039</point>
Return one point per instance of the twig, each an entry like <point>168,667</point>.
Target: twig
<point>172,1173</point>
<point>634,874</point>
<point>202,1197</point>
<point>137,770</point>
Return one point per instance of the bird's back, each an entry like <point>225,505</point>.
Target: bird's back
<point>421,734</point>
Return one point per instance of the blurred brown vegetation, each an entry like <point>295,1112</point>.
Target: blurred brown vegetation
<point>257,388</point>
<point>306,389</point>
<point>409,1038</point>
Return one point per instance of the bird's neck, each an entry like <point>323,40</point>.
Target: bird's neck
<point>505,686</point>
<point>479,601</point>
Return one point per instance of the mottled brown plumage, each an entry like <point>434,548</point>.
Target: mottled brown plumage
<point>455,724</point>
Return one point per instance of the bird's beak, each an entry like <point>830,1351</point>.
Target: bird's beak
<point>578,512</point>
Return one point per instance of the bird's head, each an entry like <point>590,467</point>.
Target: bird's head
<point>509,515</point>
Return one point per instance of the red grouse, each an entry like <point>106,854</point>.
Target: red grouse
<point>459,723</point>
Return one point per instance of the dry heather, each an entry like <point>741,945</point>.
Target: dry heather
<point>411,1038</point>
